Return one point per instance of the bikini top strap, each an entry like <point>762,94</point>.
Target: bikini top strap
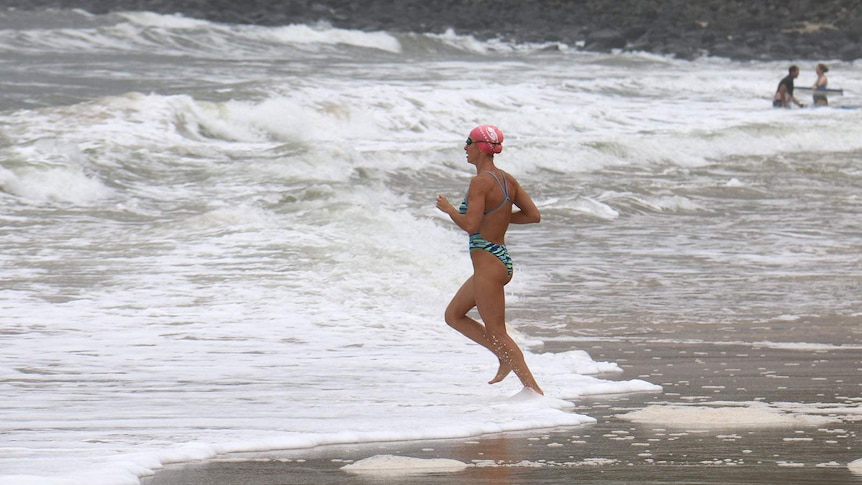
<point>503,186</point>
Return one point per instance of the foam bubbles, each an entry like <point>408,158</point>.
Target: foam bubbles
<point>742,415</point>
<point>403,465</point>
<point>595,208</point>
<point>323,34</point>
<point>53,185</point>
<point>150,19</point>
<point>51,170</point>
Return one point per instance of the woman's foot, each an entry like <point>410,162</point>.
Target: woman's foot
<point>502,372</point>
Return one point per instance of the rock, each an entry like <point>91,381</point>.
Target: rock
<point>850,52</point>
<point>605,40</point>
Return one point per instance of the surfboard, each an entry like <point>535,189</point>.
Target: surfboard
<point>831,92</point>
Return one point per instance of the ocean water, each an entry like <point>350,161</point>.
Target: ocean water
<point>222,238</point>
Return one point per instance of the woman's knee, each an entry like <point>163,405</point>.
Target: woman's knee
<point>452,316</point>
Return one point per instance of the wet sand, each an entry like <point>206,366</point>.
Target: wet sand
<point>814,382</point>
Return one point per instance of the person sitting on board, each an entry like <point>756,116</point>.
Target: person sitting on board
<point>784,93</point>
<point>820,85</point>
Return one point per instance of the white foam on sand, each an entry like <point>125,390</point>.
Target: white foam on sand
<point>587,462</point>
<point>758,344</point>
<point>855,466</point>
<point>403,465</point>
<point>725,415</point>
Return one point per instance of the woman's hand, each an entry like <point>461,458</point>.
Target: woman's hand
<point>444,205</point>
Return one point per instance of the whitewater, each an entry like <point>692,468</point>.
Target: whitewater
<point>222,238</point>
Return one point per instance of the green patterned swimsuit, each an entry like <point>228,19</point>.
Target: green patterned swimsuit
<point>479,242</point>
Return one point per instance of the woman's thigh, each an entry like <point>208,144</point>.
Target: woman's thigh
<point>489,279</point>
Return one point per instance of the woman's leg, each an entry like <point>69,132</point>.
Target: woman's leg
<point>484,290</point>
<point>456,315</point>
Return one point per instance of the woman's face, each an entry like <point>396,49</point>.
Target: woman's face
<point>472,151</point>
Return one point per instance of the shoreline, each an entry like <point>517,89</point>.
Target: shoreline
<point>750,31</point>
<point>810,393</point>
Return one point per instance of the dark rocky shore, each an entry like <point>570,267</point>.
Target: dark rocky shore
<point>742,30</point>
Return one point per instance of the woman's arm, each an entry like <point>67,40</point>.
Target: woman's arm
<point>527,212</point>
<point>470,221</point>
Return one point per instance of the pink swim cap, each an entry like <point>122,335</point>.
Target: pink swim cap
<point>489,137</point>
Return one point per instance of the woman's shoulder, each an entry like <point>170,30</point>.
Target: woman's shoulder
<point>511,179</point>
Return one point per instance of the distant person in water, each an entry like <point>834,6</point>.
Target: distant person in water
<point>485,215</point>
<point>784,94</point>
<point>820,85</point>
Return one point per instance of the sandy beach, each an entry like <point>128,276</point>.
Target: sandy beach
<point>730,412</point>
